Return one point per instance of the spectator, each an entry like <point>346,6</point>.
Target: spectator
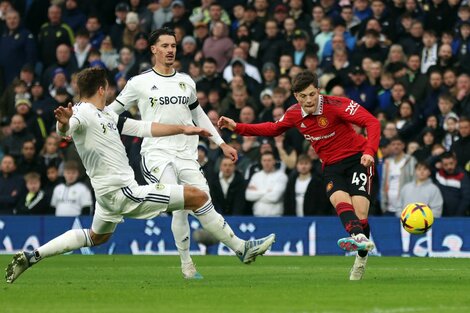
<point>72,198</point>
<point>117,29</point>
<point>451,134</point>
<point>34,201</point>
<point>361,91</point>
<point>207,11</point>
<point>218,46</point>
<point>398,170</point>
<point>353,23</point>
<point>93,26</point>
<point>429,106</point>
<point>145,15</point>
<point>65,61</point>
<point>82,48</point>
<point>29,161</point>
<point>266,99</point>
<point>179,17</point>
<point>239,54</point>
<point>207,165</point>
<point>406,123</point>
<point>369,45</point>
<point>109,54</point>
<point>326,26</point>
<point>188,52</point>
<point>454,185</point>
<point>217,14</point>
<point>463,94</point>
<point>250,19</point>
<point>228,189</point>
<point>266,188</point>
<point>461,147</point>
<point>13,143</point>
<point>50,152</point>
<point>299,198</point>
<point>414,81</point>
<point>445,59</point>
<point>429,51</point>
<point>35,124</point>
<point>413,41</point>
<point>423,190</point>
<point>73,16</point>
<point>53,34</point>
<point>51,180</point>
<point>271,46</point>
<point>11,185</point>
<point>18,48</point>
<point>162,15</point>
<point>201,33</point>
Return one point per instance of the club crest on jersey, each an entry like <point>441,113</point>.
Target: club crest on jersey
<point>182,86</point>
<point>329,186</point>
<point>159,186</point>
<point>322,121</point>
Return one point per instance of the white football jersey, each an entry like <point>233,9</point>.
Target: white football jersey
<point>166,100</point>
<point>70,200</point>
<point>96,136</point>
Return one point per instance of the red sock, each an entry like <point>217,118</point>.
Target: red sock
<point>349,218</point>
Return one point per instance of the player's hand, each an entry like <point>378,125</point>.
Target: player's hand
<point>225,122</point>
<point>63,114</point>
<point>192,130</point>
<point>229,152</point>
<point>367,160</point>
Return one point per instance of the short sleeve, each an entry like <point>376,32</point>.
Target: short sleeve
<point>129,96</point>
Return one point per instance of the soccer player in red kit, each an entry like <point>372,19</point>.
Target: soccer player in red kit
<point>347,157</point>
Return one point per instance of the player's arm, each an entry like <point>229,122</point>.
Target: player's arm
<point>131,127</point>
<point>268,129</point>
<point>356,114</point>
<point>126,98</point>
<point>68,121</point>
<point>201,119</point>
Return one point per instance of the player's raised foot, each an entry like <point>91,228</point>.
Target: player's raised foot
<point>17,266</point>
<point>356,242</point>
<point>190,272</point>
<point>359,268</point>
<point>256,247</point>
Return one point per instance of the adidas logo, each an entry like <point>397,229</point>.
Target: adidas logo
<point>303,125</point>
<point>154,88</point>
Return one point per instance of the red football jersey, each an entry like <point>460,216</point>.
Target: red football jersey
<point>328,129</point>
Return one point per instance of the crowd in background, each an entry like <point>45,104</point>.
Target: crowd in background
<point>406,61</point>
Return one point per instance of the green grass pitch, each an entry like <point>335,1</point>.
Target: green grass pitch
<point>121,283</point>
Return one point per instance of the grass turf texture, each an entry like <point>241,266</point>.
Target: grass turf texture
<point>77,283</point>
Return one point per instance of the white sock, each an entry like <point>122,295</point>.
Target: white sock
<point>215,223</point>
<point>180,229</point>
<point>68,241</point>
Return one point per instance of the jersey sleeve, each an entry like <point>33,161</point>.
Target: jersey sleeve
<point>354,113</point>
<point>127,98</point>
<point>77,122</point>
<point>268,129</point>
<point>192,102</point>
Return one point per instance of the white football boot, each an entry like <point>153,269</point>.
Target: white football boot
<point>255,247</point>
<point>189,271</point>
<point>359,267</point>
<point>17,266</point>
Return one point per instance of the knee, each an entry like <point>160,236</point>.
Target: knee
<point>194,198</point>
<point>99,239</point>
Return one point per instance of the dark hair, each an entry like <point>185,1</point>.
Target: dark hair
<point>303,80</point>
<point>210,60</point>
<point>71,165</point>
<point>448,155</point>
<point>423,164</point>
<point>155,35</point>
<point>90,80</point>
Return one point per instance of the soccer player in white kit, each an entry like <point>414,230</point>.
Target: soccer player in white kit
<point>166,96</point>
<point>96,131</point>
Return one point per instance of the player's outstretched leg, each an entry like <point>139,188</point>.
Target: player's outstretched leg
<point>68,241</point>
<point>359,268</point>
<point>17,266</point>
<point>214,223</point>
<point>355,243</point>
<point>181,233</point>
<point>256,247</point>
